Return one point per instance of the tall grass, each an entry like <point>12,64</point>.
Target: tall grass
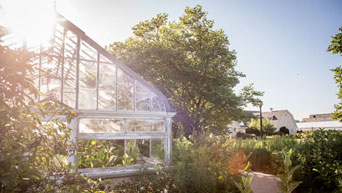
<point>264,155</point>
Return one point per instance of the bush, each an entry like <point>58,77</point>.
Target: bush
<point>241,135</point>
<point>199,166</point>
<point>320,157</point>
<point>202,166</point>
<point>267,126</point>
<point>253,131</point>
<point>263,153</point>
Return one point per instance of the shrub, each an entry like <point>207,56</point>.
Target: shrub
<point>261,152</point>
<point>320,157</point>
<point>287,184</point>
<point>202,166</point>
<point>162,181</point>
<point>198,166</point>
<point>241,135</point>
<point>253,131</point>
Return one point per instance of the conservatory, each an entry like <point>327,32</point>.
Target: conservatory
<point>123,123</point>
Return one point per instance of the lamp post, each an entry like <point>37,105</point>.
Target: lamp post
<point>261,133</point>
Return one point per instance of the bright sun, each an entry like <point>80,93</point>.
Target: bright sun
<point>31,21</point>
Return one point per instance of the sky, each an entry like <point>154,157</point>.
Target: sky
<point>280,45</point>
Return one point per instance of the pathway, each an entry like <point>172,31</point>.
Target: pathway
<point>264,183</point>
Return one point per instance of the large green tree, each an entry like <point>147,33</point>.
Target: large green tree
<point>191,63</point>
<point>336,48</point>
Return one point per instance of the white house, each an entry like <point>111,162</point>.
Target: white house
<point>279,119</point>
<point>236,127</point>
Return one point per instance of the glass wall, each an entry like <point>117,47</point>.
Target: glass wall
<point>137,146</point>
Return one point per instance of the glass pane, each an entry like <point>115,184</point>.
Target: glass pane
<point>106,99</point>
<point>87,99</point>
<point>57,43</point>
<point>101,126</point>
<point>142,102</point>
<point>107,86</point>
<point>125,91</point>
<point>125,97</point>
<point>145,125</point>
<point>88,73</point>
<point>69,90</point>
<point>139,88</point>
<point>59,28</point>
<point>107,76</point>
<point>157,149</point>
<point>87,52</point>
<point>100,153</point>
<point>142,97</point>
<point>69,96</point>
<point>137,151</point>
<point>87,91</point>
<point>70,46</point>
<point>35,74</point>
<point>51,77</point>
<point>157,104</point>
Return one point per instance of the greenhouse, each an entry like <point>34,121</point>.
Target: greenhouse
<point>123,123</point>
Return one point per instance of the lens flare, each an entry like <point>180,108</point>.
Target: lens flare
<point>32,21</point>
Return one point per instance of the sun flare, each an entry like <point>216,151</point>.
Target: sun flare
<point>30,21</point>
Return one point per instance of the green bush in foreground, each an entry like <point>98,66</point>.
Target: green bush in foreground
<point>197,167</point>
<point>320,157</point>
<point>287,183</point>
<point>263,153</point>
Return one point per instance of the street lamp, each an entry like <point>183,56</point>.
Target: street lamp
<point>261,133</point>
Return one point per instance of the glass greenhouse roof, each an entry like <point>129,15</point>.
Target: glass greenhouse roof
<point>78,72</point>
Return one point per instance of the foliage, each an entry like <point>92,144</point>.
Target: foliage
<point>202,166</point>
<point>262,152</point>
<point>190,62</point>
<point>109,153</point>
<point>241,135</point>
<point>336,48</point>
<point>245,186</point>
<point>287,184</point>
<point>320,157</point>
<point>198,167</point>
<point>253,131</point>
<point>32,153</point>
<point>267,126</point>
<point>94,154</point>
<point>238,165</point>
<point>162,181</point>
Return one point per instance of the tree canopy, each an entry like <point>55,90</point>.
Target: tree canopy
<point>191,63</point>
<point>336,48</point>
<point>267,126</point>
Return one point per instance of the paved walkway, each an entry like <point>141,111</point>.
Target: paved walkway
<point>264,183</point>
